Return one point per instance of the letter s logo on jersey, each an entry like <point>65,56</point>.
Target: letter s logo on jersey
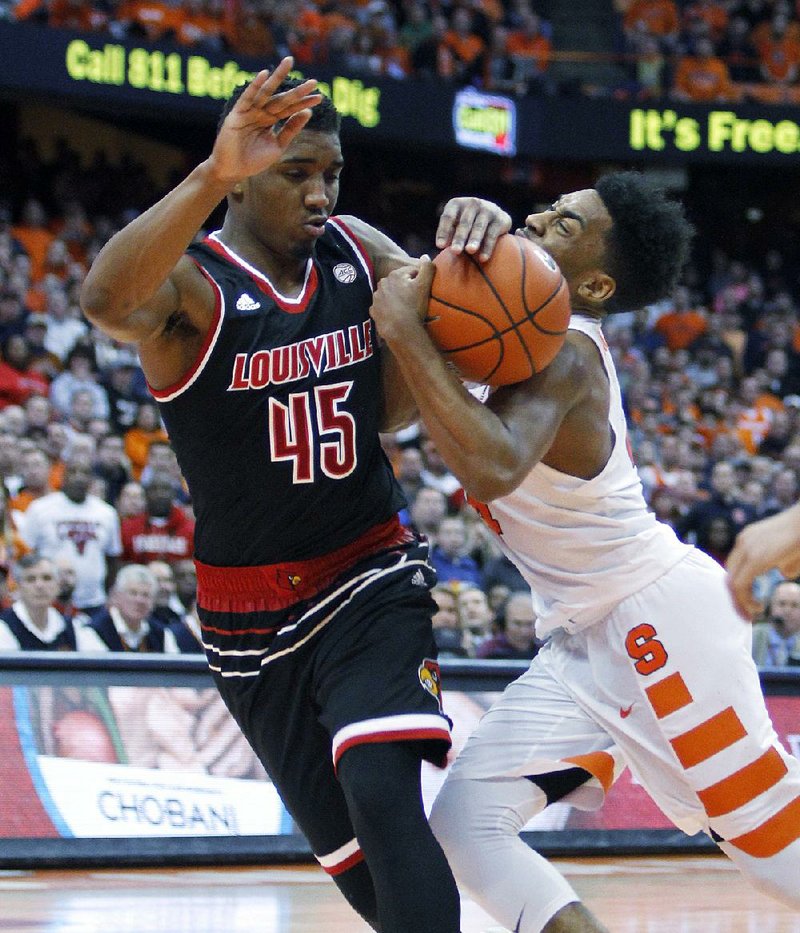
<point>344,273</point>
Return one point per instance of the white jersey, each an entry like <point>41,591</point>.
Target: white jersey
<point>585,545</point>
<point>88,532</point>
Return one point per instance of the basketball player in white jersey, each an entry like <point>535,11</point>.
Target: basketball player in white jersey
<point>647,662</point>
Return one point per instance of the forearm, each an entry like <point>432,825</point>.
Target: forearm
<point>471,438</point>
<point>399,408</point>
<point>137,261</point>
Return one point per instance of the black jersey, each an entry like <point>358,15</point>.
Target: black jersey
<point>276,425</point>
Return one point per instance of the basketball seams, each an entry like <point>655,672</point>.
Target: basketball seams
<point>487,304</point>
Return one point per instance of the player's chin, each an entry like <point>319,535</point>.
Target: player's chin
<point>302,249</point>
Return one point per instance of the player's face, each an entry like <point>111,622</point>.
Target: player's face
<point>287,205</point>
<point>573,231</point>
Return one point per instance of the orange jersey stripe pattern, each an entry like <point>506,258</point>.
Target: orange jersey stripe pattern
<point>709,738</point>
<point>669,695</point>
<point>744,785</point>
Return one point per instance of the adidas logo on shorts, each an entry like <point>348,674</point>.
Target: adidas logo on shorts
<point>246,303</point>
<point>418,579</point>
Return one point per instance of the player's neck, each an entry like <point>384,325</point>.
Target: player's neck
<point>286,272</point>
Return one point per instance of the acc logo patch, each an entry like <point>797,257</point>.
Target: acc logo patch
<point>344,272</point>
<point>431,680</point>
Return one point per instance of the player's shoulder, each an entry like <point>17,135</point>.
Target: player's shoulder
<point>378,246</point>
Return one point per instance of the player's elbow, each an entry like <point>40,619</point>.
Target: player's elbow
<point>96,302</point>
<point>488,481</point>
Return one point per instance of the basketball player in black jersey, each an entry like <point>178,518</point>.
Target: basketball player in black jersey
<point>314,601</point>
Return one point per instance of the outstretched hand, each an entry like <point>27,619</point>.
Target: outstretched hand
<point>471,225</point>
<point>248,141</point>
<point>773,542</point>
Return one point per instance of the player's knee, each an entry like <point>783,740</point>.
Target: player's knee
<point>468,814</point>
<point>365,786</point>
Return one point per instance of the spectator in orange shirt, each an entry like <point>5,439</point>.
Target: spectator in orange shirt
<point>711,13</point>
<point>781,9</point>
<point>756,413</point>
<point>35,473</point>
<point>779,53</point>
<point>658,17</point>
<point>683,325</point>
<point>200,25</point>
<point>138,439</point>
<point>70,14</point>
<point>150,19</point>
<point>466,49</point>
<point>34,236</point>
<point>702,76</point>
<point>530,51</point>
<point>251,34</point>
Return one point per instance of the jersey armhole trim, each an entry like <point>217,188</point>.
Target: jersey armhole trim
<point>187,380</point>
<point>357,246</point>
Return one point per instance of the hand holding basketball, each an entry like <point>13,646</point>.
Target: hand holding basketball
<point>471,225</point>
<point>401,300</point>
<point>501,321</point>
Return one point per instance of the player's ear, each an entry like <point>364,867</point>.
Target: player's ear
<point>597,287</point>
<point>238,190</point>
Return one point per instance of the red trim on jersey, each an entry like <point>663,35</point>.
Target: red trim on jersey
<point>338,222</point>
<point>272,587</point>
<point>240,631</point>
<point>160,394</point>
<point>402,735</point>
<point>344,865</point>
<point>263,283</point>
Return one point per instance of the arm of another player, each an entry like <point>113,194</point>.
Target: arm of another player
<point>465,223</point>
<point>140,278</point>
<point>471,225</point>
<point>490,448</point>
<point>771,542</point>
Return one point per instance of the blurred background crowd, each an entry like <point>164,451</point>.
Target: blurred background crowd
<point>97,521</point>
<point>690,49</point>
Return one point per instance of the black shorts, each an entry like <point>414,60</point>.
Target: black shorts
<point>355,665</point>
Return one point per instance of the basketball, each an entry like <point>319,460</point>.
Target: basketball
<point>501,321</point>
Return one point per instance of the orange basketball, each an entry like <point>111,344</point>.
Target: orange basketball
<point>501,321</point>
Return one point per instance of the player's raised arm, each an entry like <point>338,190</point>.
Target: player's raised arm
<point>140,278</point>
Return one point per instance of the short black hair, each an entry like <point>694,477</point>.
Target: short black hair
<point>325,118</point>
<point>648,243</point>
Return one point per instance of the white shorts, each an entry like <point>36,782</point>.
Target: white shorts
<point>665,684</point>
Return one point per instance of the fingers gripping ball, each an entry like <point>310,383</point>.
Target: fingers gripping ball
<point>501,321</point>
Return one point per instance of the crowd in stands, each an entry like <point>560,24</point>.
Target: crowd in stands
<point>711,50</point>
<point>699,50</point>
<point>92,487</point>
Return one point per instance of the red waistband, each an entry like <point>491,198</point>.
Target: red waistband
<point>272,587</point>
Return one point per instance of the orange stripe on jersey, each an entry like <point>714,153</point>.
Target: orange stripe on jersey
<point>599,765</point>
<point>710,737</point>
<point>669,695</point>
<point>743,785</point>
<point>772,836</point>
